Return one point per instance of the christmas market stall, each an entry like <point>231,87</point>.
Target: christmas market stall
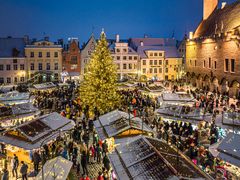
<point>228,151</point>
<point>17,114</point>
<point>22,140</point>
<point>180,99</point>
<point>49,86</point>
<point>118,124</point>
<point>56,168</point>
<point>14,97</point>
<point>150,158</point>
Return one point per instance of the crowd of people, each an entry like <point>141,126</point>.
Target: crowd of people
<point>83,147</point>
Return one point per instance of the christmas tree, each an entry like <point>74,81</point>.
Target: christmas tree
<point>99,86</point>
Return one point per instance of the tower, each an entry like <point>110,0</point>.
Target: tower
<point>208,7</point>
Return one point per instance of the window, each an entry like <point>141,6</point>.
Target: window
<point>15,79</point>
<point>118,66</point>
<point>39,54</point>
<point>118,57</point>
<point>151,70</point>
<point>48,66</point>
<point>8,68</point>
<point>55,54</point>
<point>124,66</point>
<point>39,66</point>
<point>151,54</point>
<point>144,62</point>
<point>190,62</point>
<point>209,63</point>
<point>125,50</point>
<point>124,57</point>
<point>160,70</point>
<point>144,70</point>
<point>151,62</point>
<point>166,62</point>
<point>31,54</point>
<point>32,66</point>
<point>1,80</point>
<point>204,63</point>
<point>48,54</point>
<point>22,67</point>
<point>160,54</point>
<point>56,76</point>
<point>195,63</point>
<point>160,62</point>
<point>155,54</point>
<point>8,80</point>
<point>155,70</point>
<point>55,66</point>
<point>15,67</point>
<point>215,64</point>
<point>1,67</point>
<point>73,60</point>
<point>22,79</point>
<point>74,66</point>
<point>117,50</point>
<point>155,62</point>
<point>130,57</point>
<point>226,65</point>
<point>166,70</point>
<point>89,53</point>
<point>14,60</point>
<point>129,66</point>
<point>135,57</point>
<point>232,65</point>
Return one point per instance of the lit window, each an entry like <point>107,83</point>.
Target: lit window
<point>15,67</point>
<point>155,62</point>
<point>151,62</point>
<point>151,70</point>
<point>144,62</point>
<point>124,66</point>
<point>144,70</point>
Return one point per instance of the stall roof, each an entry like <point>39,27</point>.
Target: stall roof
<point>32,134</point>
<point>179,112</point>
<point>56,168</point>
<point>228,149</point>
<point>14,96</point>
<point>116,122</point>
<point>178,97</point>
<point>149,158</point>
<point>43,86</point>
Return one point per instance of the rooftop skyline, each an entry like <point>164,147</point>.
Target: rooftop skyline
<point>134,18</point>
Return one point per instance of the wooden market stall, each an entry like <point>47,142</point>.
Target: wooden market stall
<point>150,158</point>
<point>32,135</point>
<point>119,124</point>
<point>49,86</point>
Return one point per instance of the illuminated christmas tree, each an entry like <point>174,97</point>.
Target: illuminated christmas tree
<point>99,88</point>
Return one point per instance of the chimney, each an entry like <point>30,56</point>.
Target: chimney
<point>117,38</point>
<point>46,38</point>
<point>141,43</point>
<point>223,5</point>
<point>26,39</point>
<point>208,7</point>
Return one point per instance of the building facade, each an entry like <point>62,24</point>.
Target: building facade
<point>213,50</point>
<point>125,58</point>
<point>159,58</point>
<point>12,60</point>
<point>44,61</point>
<point>72,59</point>
<point>86,52</point>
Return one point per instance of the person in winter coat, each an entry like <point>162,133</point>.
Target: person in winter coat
<point>24,170</point>
<point>36,161</point>
<point>106,162</point>
<point>84,163</point>
<point>5,175</point>
<point>15,164</point>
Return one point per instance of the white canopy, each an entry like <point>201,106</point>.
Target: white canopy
<point>57,168</point>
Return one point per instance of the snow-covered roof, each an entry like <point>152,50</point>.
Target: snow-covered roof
<point>113,123</point>
<point>149,158</point>
<point>228,149</point>
<point>183,97</point>
<point>56,168</point>
<point>32,134</point>
<point>13,96</point>
<point>47,85</point>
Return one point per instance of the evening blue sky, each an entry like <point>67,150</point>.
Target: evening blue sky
<point>76,18</point>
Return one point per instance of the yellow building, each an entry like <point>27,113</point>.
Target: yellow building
<point>160,62</point>
<point>44,61</point>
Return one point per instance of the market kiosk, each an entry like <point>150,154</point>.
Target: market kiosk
<point>17,114</point>
<point>228,150</point>
<point>22,140</point>
<point>49,86</point>
<point>118,124</point>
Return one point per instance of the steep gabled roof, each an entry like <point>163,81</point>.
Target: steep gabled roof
<point>220,21</point>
